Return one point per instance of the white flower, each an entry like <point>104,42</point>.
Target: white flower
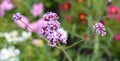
<point>13,36</point>
<point>10,37</point>
<point>9,54</point>
<point>109,0</point>
<point>26,35</point>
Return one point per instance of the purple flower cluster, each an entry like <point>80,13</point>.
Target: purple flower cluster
<point>99,28</point>
<point>47,27</point>
<point>50,16</point>
<point>62,35</point>
<point>59,35</point>
<point>51,31</point>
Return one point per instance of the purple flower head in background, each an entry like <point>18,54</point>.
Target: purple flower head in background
<point>99,28</point>
<point>37,9</point>
<point>20,20</point>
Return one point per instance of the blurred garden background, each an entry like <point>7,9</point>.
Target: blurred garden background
<point>76,17</point>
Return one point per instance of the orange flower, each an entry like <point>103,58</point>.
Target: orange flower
<point>81,17</point>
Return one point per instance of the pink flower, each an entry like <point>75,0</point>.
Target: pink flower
<point>117,37</point>
<point>21,24</point>
<point>5,6</point>
<point>118,18</point>
<point>34,27</point>
<point>20,20</point>
<point>37,9</point>
<point>2,11</point>
<point>112,11</point>
<point>37,42</point>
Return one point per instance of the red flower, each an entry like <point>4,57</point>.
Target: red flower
<point>102,21</point>
<point>65,6</point>
<point>79,1</point>
<point>68,17</point>
<point>117,37</point>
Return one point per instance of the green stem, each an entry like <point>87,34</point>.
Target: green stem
<point>64,52</point>
<point>73,44</point>
<point>96,48</point>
